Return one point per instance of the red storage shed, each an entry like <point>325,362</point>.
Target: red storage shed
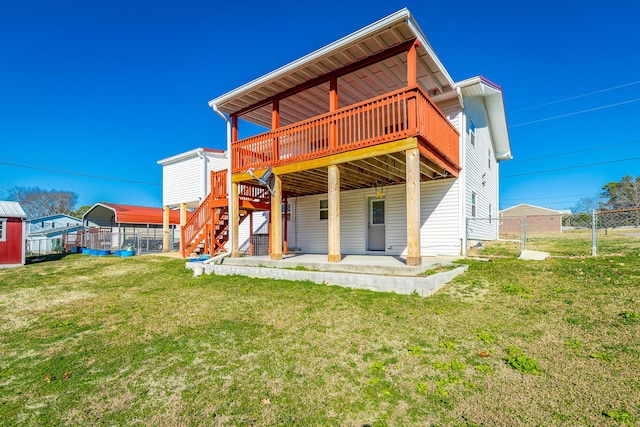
<point>13,234</point>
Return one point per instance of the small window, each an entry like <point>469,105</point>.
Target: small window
<point>472,133</point>
<point>473,204</point>
<point>42,224</point>
<point>324,209</point>
<point>3,229</point>
<point>53,225</point>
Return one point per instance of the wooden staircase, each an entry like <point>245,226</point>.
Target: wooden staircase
<point>207,230</point>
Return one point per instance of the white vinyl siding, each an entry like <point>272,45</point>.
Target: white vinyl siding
<point>260,225</point>
<point>215,162</point>
<point>481,177</point>
<point>183,180</point>
<point>396,226</point>
<point>353,220</point>
<point>439,234</point>
<point>309,233</point>
<point>451,109</point>
<point>438,213</point>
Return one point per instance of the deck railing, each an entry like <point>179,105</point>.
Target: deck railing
<point>382,119</point>
<point>218,180</point>
<point>436,129</point>
<point>211,210</point>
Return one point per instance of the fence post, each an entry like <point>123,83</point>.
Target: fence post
<point>594,234</point>
<point>523,234</point>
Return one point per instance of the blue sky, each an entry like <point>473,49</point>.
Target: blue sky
<point>106,89</point>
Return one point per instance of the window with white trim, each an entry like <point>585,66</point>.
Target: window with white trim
<point>473,204</point>
<point>324,209</point>
<point>3,229</point>
<point>472,133</point>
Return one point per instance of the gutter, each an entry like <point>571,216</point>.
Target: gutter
<point>229,198</point>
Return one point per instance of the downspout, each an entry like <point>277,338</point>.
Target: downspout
<point>463,176</point>
<point>229,198</point>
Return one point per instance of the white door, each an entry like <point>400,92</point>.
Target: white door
<point>376,229</point>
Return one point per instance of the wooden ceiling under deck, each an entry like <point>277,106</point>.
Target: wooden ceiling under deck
<point>384,170</point>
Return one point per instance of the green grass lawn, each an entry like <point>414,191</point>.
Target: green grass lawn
<point>138,341</point>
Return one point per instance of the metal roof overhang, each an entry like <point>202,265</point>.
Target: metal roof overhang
<point>494,103</point>
<point>375,79</point>
<point>11,210</point>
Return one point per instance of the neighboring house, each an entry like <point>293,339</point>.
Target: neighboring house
<point>536,219</point>
<point>13,233</point>
<point>373,149</point>
<point>113,226</point>
<point>47,234</point>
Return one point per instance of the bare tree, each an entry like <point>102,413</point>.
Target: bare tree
<point>587,204</point>
<point>38,202</point>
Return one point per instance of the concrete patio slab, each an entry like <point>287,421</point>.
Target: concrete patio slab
<point>376,273</point>
<point>372,264</point>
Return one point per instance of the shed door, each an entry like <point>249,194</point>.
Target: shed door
<point>376,227</point>
<point>11,245</point>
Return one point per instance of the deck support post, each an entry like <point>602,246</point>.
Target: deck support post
<point>183,214</point>
<point>165,229</point>
<point>334,214</point>
<point>234,220</point>
<point>183,221</point>
<point>413,207</point>
<point>251,250</point>
<point>285,218</point>
<point>276,219</point>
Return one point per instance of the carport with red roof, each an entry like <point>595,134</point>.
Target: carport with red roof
<point>117,226</point>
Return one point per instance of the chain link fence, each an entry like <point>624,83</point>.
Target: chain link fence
<point>38,246</point>
<point>601,233</point>
<point>142,240</point>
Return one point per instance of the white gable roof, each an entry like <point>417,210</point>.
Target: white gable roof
<point>494,103</point>
<point>192,153</point>
<point>391,31</point>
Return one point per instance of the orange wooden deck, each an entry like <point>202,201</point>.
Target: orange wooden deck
<point>396,115</point>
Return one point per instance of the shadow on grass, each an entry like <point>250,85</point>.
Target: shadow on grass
<point>45,258</point>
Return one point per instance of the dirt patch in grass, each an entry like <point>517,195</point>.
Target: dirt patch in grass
<point>20,308</point>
